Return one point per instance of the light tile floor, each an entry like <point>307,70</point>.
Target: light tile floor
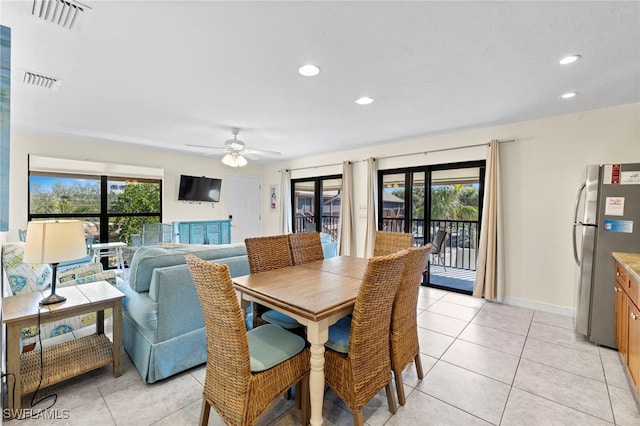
<point>484,363</point>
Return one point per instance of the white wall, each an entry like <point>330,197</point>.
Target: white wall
<point>540,174</point>
<point>173,164</point>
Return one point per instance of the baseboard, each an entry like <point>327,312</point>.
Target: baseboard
<point>552,309</point>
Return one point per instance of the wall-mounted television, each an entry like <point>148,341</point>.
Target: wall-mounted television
<point>199,188</point>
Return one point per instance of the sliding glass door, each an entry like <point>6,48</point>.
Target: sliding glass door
<point>446,198</point>
<point>316,204</point>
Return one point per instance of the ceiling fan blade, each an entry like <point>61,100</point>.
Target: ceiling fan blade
<point>218,148</point>
<point>249,155</point>
<point>262,153</point>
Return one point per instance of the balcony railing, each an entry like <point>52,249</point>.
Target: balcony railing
<point>460,246</point>
<point>329,225</point>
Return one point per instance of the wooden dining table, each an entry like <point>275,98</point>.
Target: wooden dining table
<point>316,294</point>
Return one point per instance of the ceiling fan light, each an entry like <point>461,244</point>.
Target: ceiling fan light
<point>234,160</point>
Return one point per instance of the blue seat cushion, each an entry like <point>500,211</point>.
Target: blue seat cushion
<point>278,318</point>
<point>269,345</point>
<point>339,335</point>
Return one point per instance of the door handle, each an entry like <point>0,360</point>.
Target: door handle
<point>634,316</point>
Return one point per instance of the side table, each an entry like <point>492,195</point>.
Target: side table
<point>68,359</point>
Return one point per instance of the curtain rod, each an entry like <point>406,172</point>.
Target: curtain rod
<point>405,155</point>
<point>443,149</point>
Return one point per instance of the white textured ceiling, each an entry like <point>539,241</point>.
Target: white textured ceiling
<point>164,74</point>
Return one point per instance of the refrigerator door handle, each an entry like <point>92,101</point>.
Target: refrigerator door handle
<point>575,223</point>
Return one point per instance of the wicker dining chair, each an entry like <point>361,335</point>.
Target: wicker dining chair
<point>391,242</point>
<point>404,327</point>
<point>305,247</point>
<point>246,372</point>
<point>266,254</point>
<point>357,360</point>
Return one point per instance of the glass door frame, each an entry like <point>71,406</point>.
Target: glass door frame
<point>409,184</point>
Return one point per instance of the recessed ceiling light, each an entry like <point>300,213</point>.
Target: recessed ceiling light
<point>365,100</point>
<point>309,70</point>
<point>569,59</point>
<point>569,95</point>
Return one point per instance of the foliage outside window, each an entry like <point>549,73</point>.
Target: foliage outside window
<point>112,209</point>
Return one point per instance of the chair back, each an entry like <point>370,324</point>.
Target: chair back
<point>268,253</point>
<point>391,242</point>
<point>228,371</point>
<point>305,247</point>
<point>438,241</point>
<point>370,325</point>
<point>404,313</point>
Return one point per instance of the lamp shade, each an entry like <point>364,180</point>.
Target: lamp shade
<point>54,241</point>
<point>234,160</point>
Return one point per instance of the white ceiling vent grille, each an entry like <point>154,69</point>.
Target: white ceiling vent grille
<point>62,13</point>
<point>40,80</point>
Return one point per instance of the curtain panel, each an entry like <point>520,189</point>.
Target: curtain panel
<point>285,202</point>
<point>490,267</point>
<point>345,228</point>
<point>372,206</point>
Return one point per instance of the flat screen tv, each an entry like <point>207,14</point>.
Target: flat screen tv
<point>199,188</point>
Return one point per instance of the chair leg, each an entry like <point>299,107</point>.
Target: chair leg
<point>358,420</point>
<point>418,362</point>
<point>305,400</point>
<point>204,413</point>
<point>400,388</point>
<point>390,399</point>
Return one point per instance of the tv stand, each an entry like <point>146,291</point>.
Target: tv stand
<point>203,232</point>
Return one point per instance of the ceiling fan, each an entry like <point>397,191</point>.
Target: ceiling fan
<point>236,151</point>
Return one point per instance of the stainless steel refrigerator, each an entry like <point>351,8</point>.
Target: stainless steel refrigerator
<point>607,219</point>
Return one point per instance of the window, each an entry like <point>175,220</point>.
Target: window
<point>316,204</point>
<point>112,208</point>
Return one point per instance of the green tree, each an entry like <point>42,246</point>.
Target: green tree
<point>136,198</point>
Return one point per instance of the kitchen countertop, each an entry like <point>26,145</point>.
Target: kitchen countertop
<point>631,261</point>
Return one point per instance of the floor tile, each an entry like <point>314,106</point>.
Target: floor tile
<point>625,410</point>
<point>554,319</point>
<point>453,310</point>
<point>432,343</point>
<point>614,368</point>
<point>526,409</point>
<point>143,403</point>
<point>482,360</point>
<point>471,392</point>
<point>578,392</point>
<point>582,363</point>
<point>424,410</point>
<point>432,293</point>
<point>502,322</point>
<point>410,375</point>
<point>441,323</point>
<point>464,300</point>
<point>425,302</point>
<point>493,338</point>
<point>510,310</point>
<point>561,336</point>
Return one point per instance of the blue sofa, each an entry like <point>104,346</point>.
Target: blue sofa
<point>163,327</point>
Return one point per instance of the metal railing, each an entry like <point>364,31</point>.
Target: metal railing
<point>328,225</point>
<point>460,245</point>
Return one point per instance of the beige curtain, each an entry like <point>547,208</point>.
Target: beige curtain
<point>490,268</point>
<point>345,227</point>
<point>372,206</point>
<point>285,202</point>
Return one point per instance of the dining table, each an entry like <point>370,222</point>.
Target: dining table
<point>317,294</point>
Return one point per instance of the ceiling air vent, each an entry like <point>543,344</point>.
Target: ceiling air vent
<point>62,13</point>
<point>40,80</point>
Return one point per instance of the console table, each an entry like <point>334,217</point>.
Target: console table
<point>203,232</point>
<point>68,359</point>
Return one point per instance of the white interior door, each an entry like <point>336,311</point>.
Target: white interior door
<point>243,202</point>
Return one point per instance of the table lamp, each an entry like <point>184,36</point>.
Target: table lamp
<point>54,241</point>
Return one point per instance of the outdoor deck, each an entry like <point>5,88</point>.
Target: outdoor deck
<point>454,278</point>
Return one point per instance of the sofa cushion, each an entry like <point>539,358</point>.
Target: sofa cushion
<point>139,307</point>
<point>148,258</point>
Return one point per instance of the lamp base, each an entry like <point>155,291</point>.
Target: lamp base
<point>52,298</point>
